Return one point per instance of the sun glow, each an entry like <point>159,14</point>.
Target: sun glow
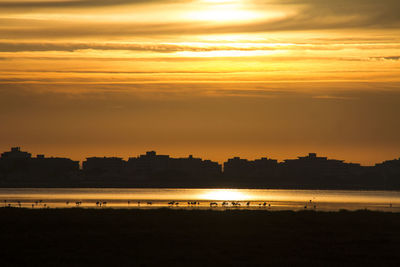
<point>224,194</point>
<point>219,15</point>
<point>223,53</point>
<point>222,11</point>
<point>221,1</point>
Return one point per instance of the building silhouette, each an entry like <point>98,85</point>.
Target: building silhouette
<point>390,172</point>
<point>16,153</point>
<point>20,169</point>
<point>103,165</point>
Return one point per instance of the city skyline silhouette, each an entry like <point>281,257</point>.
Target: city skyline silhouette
<point>19,168</point>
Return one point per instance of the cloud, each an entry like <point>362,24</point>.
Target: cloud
<point>66,29</point>
<point>32,28</point>
<point>17,4</point>
<point>302,15</point>
<point>152,47</point>
<point>168,48</point>
<point>334,97</point>
<point>393,58</point>
<point>70,47</point>
<point>327,14</point>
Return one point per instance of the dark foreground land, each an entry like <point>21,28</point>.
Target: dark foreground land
<point>164,237</point>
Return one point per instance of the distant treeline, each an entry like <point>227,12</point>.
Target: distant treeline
<point>20,169</point>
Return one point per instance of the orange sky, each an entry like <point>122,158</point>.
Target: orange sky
<point>213,78</point>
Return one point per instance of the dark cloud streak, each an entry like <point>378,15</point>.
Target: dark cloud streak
<point>168,48</point>
<point>76,3</point>
<point>392,58</point>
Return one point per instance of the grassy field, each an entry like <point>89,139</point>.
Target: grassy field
<point>164,237</point>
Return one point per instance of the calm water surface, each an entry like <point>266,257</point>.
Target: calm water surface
<point>234,198</point>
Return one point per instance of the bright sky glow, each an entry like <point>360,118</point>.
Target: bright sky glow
<point>209,77</point>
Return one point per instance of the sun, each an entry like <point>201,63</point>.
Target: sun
<point>223,15</point>
<point>222,11</point>
<point>224,194</point>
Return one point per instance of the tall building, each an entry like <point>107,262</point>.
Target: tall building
<point>16,153</point>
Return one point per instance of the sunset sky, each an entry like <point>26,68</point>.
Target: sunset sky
<point>212,78</point>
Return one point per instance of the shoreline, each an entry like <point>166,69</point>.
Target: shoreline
<point>183,209</point>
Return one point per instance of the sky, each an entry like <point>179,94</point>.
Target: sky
<point>212,78</point>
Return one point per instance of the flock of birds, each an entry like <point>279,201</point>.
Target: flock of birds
<point>41,204</point>
<point>225,204</point>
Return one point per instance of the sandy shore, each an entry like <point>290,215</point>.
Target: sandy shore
<point>109,237</point>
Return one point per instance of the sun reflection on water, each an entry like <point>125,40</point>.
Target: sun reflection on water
<point>224,194</point>
<point>275,199</point>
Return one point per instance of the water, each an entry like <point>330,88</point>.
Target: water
<point>327,200</point>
